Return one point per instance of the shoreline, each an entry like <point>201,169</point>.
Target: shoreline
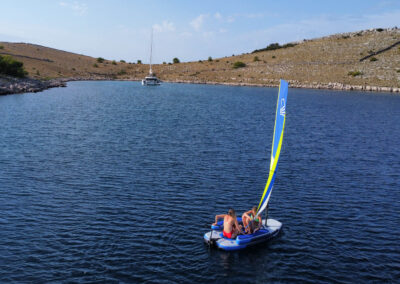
<point>11,85</point>
<point>298,85</point>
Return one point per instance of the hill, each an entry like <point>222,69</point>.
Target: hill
<point>356,60</point>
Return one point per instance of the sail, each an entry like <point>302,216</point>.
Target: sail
<point>280,117</point>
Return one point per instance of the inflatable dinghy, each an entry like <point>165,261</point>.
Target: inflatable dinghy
<point>266,233</point>
<point>271,228</point>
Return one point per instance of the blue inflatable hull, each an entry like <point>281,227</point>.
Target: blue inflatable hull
<point>268,231</point>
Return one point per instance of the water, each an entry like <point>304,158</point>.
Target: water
<point>114,182</point>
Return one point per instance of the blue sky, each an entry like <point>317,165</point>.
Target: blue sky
<point>189,30</point>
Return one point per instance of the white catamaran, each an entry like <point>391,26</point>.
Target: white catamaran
<point>270,227</point>
<point>151,79</point>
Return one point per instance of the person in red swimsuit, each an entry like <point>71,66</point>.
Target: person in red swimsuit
<point>231,225</point>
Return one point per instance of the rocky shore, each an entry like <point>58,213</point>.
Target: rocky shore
<point>12,85</point>
<point>296,84</point>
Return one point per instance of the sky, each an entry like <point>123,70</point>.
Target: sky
<point>189,30</point>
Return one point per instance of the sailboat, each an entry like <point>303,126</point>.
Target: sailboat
<point>151,79</point>
<point>270,227</point>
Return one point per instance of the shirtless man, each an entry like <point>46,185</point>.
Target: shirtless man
<point>231,225</point>
<point>250,223</point>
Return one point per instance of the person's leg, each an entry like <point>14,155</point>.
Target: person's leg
<point>245,221</point>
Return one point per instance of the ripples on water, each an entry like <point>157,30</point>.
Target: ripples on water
<point>110,181</point>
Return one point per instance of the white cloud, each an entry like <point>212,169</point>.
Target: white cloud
<point>197,23</point>
<point>186,34</point>
<point>77,7</point>
<point>208,34</point>
<point>165,26</point>
<point>230,19</point>
<point>218,16</point>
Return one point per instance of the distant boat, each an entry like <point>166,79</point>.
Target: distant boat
<point>151,79</point>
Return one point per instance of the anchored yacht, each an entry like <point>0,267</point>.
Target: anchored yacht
<point>151,79</point>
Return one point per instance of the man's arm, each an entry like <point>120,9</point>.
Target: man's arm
<point>237,225</point>
<point>218,217</point>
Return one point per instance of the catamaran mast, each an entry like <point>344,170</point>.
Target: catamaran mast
<point>151,50</point>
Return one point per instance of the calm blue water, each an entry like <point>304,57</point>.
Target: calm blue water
<point>111,181</point>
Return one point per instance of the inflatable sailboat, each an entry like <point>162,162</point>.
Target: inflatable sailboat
<point>270,227</point>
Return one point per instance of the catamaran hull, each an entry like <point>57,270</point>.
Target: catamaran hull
<point>266,233</point>
<point>149,83</point>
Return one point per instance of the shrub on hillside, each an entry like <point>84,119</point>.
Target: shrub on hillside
<point>210,58</point>
<point>175,60</point>
<point>114,62</point>
<point>355,73</point>
<point>373,59</point>
<point>10,66</point>
<point>139,62</point>
<point>100,59</point>
<point>122,61</point>
<point>379,30</point>
<point>95,65</point>
<point>122,72</point>
<point>239,64</point>
<point>256,58</point>
<point>1,47</point>
<point>274,46</point>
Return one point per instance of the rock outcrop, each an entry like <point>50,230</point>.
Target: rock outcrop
<point>12,85</point>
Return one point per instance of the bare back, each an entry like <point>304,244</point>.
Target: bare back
<point>228,223</point>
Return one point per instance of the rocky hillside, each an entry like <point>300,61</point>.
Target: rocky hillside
<point>328,62</point>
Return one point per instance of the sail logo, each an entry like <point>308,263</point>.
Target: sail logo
<point>282,110</point>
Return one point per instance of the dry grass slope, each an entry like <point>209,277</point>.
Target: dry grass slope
<point>324,60</point>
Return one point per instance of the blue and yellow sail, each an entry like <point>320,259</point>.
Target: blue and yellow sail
<point>280,118</point>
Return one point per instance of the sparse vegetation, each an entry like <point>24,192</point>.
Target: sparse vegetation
<point>114,62</point>
<point>122,61</point>
<point>274,46</point>
<point>95,65</point>
<point>10,66</point>
<point>373,59</point>
<point>100,59</point>
<point>239,64</point>
<point>210,58</point>
<point>1,47</point>
<point>164,62</point>
<point>355,73</point>
<point>139,62</point>
<point>175,60</point>
<point>310,63</point>
<point>122,72</point>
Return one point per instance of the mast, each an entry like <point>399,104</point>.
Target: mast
<point>151,50</point>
